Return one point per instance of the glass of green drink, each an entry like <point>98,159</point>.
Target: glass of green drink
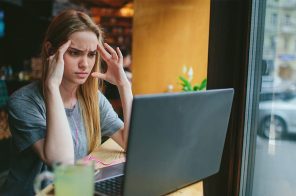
<point>77,179</point>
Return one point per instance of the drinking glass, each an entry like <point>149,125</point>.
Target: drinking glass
<point>77,179</point>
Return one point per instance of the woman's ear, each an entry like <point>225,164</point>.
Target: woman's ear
<point>49,48</point>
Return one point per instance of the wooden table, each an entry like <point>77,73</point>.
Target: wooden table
<point>111,152</point>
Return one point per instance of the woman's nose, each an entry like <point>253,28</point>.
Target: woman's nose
<point>83,62</point>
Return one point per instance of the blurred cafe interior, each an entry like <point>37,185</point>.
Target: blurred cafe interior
<point>212,43</point>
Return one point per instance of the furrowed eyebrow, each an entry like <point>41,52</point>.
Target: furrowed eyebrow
<point>77,50</point>
<point>93,52</point>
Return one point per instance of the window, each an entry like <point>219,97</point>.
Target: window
<point>270,130</point>
<point>274,18</point>
<point>287,19</point>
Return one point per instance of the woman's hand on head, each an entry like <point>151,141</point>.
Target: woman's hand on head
<point>56,66</point>
<point>115,73</point>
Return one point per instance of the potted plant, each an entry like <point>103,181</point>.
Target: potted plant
<point>186,80</point>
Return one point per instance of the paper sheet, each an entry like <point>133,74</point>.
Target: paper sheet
<point>110,153</point>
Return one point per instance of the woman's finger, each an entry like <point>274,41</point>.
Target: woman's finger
<point>119,55</point>
<point>99,75</point>
<point>50,58</point>
<point>63,48</point>
<point>111,50</point>
<point>105,55</point>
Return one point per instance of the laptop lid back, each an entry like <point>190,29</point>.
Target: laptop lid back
<point>175,139</point>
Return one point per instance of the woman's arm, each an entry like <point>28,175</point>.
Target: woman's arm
<point>58,144</point>
<point>115,75</point>
<point>126,96</point>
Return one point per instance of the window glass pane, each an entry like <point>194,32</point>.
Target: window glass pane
<point>274,169</point>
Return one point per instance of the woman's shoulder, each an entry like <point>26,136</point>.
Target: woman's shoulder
<point>102,98</point>
<point>31,91</point>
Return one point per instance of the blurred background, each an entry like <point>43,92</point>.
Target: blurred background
<point>24,22</point>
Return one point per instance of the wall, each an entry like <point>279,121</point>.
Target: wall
<point>168,34</point>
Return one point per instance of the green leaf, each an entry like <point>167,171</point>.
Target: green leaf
<point>196,88</point>
<point>184,80</point>
<point>203,84</point>
<point>185,88</point>
<point>190,88</point>
<point>186,84</point>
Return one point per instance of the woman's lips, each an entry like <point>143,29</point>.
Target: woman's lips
<point>81,74</point>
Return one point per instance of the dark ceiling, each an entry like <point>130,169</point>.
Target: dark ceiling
<point>115,4</point>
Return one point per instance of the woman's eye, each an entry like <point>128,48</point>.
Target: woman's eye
<point>73,53</point>
<point>92,55</point>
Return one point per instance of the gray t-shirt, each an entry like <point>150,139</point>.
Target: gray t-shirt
<point>27,120</point>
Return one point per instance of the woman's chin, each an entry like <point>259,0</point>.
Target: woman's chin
<point>80,81</point>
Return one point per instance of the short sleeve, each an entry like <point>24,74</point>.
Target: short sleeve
<point>26,120</point>
<point>110,122</point>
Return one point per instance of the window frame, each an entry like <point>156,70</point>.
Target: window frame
<point>253,96</point>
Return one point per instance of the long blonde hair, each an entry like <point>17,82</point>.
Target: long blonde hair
<point>58,32</point>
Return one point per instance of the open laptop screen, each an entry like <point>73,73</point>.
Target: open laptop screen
<point>175,139</point>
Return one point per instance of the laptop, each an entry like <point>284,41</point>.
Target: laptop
<point>175,139</point>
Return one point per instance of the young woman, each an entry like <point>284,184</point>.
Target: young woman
<point>62,117</point>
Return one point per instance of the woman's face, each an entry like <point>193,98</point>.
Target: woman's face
<point>80,57</point>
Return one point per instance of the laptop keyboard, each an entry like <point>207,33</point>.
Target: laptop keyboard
<point>112,187</point>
